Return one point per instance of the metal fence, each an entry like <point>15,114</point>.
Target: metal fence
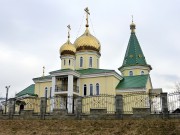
<point>151,101</point>
<point>130,102</point>
<point>174,102</point>
<point>102,101</point>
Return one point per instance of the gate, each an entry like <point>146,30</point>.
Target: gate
<point>61,103</point>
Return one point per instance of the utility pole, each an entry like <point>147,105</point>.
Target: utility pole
<point>7,90</point>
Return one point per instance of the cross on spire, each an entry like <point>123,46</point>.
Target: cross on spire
<point>43,70</point>
<point>69,28</point>
<point>132,18</point>
<point>87,13</point>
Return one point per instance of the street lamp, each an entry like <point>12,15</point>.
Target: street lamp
<point>7,90</point>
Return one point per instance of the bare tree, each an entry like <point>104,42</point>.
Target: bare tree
<point>177,86</point>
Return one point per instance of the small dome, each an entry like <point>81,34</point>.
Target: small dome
<point>132,27</point>
<point>67,49</point>
<point>87,42</point>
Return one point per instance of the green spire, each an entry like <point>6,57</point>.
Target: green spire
<point>134,55</point>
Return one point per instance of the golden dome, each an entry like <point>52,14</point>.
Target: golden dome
<point>67,48</point>
<point>87,42</point>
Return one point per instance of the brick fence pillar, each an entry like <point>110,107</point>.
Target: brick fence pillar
<point>119,106</point>
<point>164,104</point>
<point>43,108</point>
<point>78,107</point>
<point>11,108</point>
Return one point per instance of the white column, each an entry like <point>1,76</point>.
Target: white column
<point>52,92</point>
<point>70,94</point>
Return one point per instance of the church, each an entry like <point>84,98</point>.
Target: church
<point>80,74</point>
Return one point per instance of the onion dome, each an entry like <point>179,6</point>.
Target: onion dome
<point>87,42</point>
<point>67,49</point>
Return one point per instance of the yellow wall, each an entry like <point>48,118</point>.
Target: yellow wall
<point>95,60</point>
<point>107,85</point>
<point>40,88</point>
<point>135,71</point>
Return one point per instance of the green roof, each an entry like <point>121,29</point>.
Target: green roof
<point>133,82</point>
<point>134,55</point>
<point>29,90</point>
<point>85,71</point>
<point>42,77</point>
<point>93,71</point>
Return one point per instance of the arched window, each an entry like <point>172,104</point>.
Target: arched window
<point>69,62</point>
<point>64,62</point>
<point>130,73</point>
<point>46,90</point>
<point>85,90</point>
<point>91,89</point>
<point>97,88</point>
<point>90,61</point>
<point>81,61</point>
<point>142,72</point>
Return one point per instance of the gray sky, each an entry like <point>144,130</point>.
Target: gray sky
<point>32,31</point>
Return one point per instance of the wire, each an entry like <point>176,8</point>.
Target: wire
<point>92,26</point>
<point>80,26</point>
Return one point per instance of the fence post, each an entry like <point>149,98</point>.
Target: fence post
<point>43,108</point>
<point>164,105</point>
<point>79,107</point>
<point>119,106</point>
<point>11,108</point>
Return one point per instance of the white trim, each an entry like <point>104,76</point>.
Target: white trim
<point>74,73</point>
<point>102,75</point>
<point>88,52</point>
<point>131,90</point>
<point>43,80</point>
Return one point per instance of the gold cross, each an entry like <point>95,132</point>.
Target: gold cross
<point>69,28</point>
<point>43,70</point>
<point>132,18</point>
<point>87,13</point>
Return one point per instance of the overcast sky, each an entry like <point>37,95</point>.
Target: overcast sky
<point>32,31</point>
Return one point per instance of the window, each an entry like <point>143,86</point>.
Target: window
<point>97,89</point>
<point>46,90</point>
<point>130,73</point>
<point>69,62</point>
<point>91,89</point>
<point>85,90</point>
<point>64,62</point>
<point>90,61</point>
<point>142,72</point>
<point>81,61</point>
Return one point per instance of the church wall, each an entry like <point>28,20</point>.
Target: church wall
<point>149,85</point>
<point>107,85</point>
<point>135,72</point>
<point>40,88</point>
<point>86,56</point>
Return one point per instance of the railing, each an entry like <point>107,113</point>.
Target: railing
<point>64,88</point>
